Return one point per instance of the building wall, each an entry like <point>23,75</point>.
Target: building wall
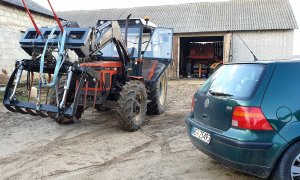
<point>13,23</point>
<point>266,45</point>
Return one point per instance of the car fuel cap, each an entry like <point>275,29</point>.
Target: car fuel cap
<point>284,114</point>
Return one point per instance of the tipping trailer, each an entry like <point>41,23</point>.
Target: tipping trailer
<point>121,65</point>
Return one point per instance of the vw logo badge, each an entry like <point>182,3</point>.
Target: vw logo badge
<point>206,103</point>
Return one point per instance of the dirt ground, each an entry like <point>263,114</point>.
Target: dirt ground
<point>96,148</point>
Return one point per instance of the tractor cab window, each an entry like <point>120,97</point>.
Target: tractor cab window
<point>160,46</point>
<point>109,50</point>
<point>146,38</point>
<point>133,40</point>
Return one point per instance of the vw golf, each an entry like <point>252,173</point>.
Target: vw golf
<point>247,116</point>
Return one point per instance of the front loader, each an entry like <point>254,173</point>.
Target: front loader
<point>119,64</point>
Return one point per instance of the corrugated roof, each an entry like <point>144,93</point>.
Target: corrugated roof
<point>33,6</point>
<point>235,15</point>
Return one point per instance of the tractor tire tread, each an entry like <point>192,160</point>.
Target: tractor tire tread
<point>154,107</point>
<point>125,105</point>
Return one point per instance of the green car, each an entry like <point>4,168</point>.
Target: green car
<point>247,116</point>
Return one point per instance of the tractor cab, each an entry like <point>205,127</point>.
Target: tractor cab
<point>139,32</point>
<point>148,45</point>
<point>138,35</point>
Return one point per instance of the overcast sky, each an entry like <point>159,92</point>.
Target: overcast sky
<point>68,5</point>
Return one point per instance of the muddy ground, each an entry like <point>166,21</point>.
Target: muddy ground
<point>96,148</point>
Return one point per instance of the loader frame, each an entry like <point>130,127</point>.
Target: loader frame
<point>94,79</point>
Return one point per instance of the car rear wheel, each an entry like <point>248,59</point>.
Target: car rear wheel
<point>288,167</point>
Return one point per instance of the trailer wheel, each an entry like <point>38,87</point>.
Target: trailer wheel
<point>189,68</point>
<point>132,106</point>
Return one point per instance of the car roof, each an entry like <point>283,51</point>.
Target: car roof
<point>269,62</point>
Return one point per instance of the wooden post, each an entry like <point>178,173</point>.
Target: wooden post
<point>226,48</point>
<point>200,68</point>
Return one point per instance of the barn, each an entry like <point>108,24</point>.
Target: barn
<point>204,32</point>
<point>209,32</point>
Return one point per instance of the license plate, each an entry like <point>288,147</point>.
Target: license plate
<point>203,136</point>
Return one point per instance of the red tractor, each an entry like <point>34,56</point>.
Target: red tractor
<point>121,65</point>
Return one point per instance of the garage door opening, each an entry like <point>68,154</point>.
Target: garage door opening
<point>199,56</point>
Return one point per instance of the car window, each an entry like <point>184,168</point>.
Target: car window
<point>238,81</point>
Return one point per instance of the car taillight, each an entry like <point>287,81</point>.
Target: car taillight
<point>193,104</point>
<point>251,118</point>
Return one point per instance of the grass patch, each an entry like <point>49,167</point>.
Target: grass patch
<point>21,96</point>
<point>1,95</point>
<point>21,93</point>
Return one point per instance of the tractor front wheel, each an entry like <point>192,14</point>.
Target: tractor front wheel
<point>132,106</point>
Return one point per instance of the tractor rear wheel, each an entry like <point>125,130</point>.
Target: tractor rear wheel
<point>132,106</point>
<point>157,94</point>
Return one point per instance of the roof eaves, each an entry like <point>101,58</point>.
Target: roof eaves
<point>34,11</point>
